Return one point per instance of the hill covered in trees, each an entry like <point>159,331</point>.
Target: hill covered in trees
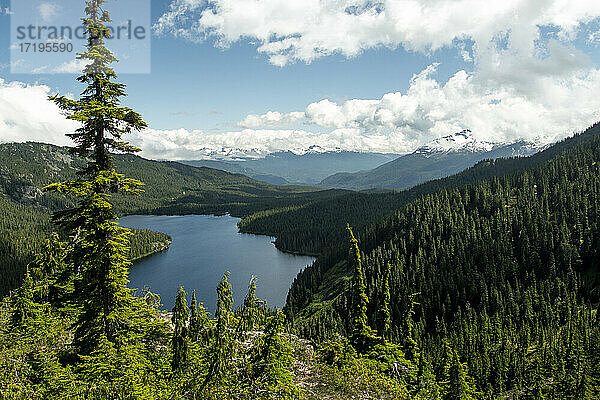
<point>171,188</point>
<point>498,264</point>
<point>319,226</point>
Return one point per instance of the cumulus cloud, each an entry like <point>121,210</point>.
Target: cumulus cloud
<point>428,109</point>
<point>528,80</point>
<point>26,114</point>
<point>395,123</point>
<point>183,144</point>
<point>304,30</point>
<point>271,118</point>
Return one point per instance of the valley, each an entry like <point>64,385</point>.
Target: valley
<point>291,200</point>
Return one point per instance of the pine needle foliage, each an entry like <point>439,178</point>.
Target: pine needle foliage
<point>99,246</point>
<point>362,335</point>
<point>180,331</point>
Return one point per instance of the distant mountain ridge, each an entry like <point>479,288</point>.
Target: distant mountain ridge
<point>171,189</point>
<point>438,159</point>
<point>309,166</point>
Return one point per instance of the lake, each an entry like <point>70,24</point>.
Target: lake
<point>205,247</point>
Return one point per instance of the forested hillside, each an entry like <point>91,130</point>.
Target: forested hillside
<point>171,188</point>
<point>23,228</point>
<point>499,264</point>
<point>319,226</point>
<point>27,167</point>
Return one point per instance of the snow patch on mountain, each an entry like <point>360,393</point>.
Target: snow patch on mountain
<point>465,141</point>
<point>457,142</point>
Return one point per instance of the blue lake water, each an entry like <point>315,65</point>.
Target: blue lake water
<point>205,247</point>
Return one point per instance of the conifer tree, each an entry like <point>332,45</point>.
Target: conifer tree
<point>179,343</point>
<point>250,310</point>
<point>456,382</point>
<point>51,271</point>
<point>410,345</point>
<point>361,332</point>
<point>99,246</point>
<point>272,359</point>
<point>223,343</point>
<point>384,313</point>
<point>24,305</point>
<point>199,322</point>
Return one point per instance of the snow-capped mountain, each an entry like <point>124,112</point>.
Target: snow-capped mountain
<point>305,167</point>
<point>440,158</point>
<point>460,141</point>
<point>229,154</point>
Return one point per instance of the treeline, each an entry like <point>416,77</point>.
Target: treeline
<point>504,271</point>
<point>145,242</point>
<point>319,225</point>
<point>172,188</point>
<point>23,230</point>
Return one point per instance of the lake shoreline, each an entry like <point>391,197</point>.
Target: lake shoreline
<point>164,247</point>
<point>203,248</point>
<point>292,252</point>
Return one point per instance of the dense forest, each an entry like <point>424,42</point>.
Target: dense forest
<point>483,285</point>
<point>23,229</point>
<point>171,188</point>
<point>319,225</point>
<point>503,271</point>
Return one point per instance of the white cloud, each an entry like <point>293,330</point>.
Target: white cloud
<point>26,114</point>
<point>429,110</point>
<point>525,83</point>
<point>303,30</point>
<point>48,11</point>
<point>397,122</point>
<point>271,118</point>
<point>183,144</point>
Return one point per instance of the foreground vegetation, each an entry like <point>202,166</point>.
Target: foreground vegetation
<point>503,271</point>
<point>237,354</point>
<point>479,286</point>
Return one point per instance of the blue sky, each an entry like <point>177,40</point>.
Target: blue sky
<point>489,77</point>
<point>198,86</point>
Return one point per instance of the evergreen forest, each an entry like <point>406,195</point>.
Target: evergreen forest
<point>483,285</point>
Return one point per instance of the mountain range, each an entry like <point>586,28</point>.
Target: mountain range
<point>440,158</point>
<point>308,167</point>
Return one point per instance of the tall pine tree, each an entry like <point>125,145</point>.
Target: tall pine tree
<point>99,245</point>
<point>179,342</point>
<point>384,313</point>
<point>361,332</point>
